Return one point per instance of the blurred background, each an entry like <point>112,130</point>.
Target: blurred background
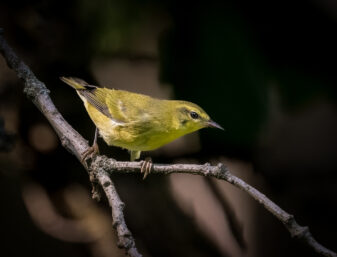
<point>264,70</point>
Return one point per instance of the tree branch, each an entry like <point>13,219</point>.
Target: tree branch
<point>103,166</point>
<point>70,139</point>
<point>220,172</point>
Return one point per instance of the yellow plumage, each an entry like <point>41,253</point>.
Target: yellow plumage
<point>138,122</point>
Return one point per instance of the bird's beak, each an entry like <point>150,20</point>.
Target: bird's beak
<point>213,124</point>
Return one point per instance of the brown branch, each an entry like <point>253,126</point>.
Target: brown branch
<point>103,166</point>
<point>125,237</point>
<point>70,139</point>
<point>222,173</point>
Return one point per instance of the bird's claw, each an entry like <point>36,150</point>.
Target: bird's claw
<point>91,151</point>
<point>146,167</point>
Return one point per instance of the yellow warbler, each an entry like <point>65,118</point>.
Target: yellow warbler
<point>138,122</point>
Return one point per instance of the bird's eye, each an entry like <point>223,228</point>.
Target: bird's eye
<point>194,115</point>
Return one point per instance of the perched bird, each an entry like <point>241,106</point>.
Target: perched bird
<point>137,122</point>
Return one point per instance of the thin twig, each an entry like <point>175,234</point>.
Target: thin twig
<point>70,139</point>
<point>103,166</point>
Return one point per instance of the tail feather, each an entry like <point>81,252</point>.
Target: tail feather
<point>76,83</point>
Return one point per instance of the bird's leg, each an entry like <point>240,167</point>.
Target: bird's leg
<point>146,166</point>
<point>134,155</point>
<point>93,150</point>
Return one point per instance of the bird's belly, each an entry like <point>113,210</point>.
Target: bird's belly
<point>147,141</point>
<point>140,142</point>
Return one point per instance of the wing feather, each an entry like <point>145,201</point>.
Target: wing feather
<point>95,101</point>
<point>97,97</point>
<point>121,106</point>
<point>130,107</point>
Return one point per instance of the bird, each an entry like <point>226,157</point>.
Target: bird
<point>137,122</point>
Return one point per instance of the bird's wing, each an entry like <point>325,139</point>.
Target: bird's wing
<point>129,107</point>
<point>97,97</point>
<point>121,106</point>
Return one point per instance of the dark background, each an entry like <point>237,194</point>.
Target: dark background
<point>264,70</point>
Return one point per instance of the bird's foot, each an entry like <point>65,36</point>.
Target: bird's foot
<point>90,152</point>
<point>146,166</point>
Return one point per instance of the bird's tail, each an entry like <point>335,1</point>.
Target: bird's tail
<point>75,83</point>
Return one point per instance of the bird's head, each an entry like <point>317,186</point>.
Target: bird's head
<point>191,117</point>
